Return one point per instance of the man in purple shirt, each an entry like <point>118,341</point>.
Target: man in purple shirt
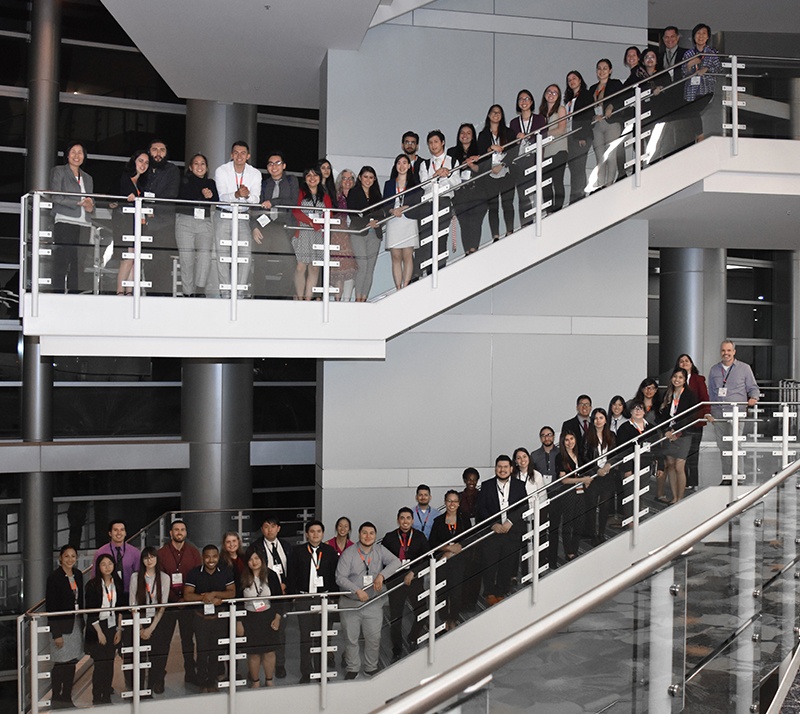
<point>125,555</point>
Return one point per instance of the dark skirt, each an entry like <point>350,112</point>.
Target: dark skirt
<point>261,637</point>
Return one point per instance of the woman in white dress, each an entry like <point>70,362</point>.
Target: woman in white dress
<point>402,235</point>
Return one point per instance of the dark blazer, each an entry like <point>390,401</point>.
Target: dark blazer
<point>411,197</point>
<point>687,401</point>
<point>489,502</point>
<point>301,567</point>
<point>440,533</point>
<point>679,52</point>
<point>574,425</point>
<point>94,599</point>
<point>357,201</point>
<point>612,87</point>
<point>59,597</point>
<point>581,122</point>
<point>258,544</point>
<point>419,546</point>
<point>288,191</point>
<point>63,180</point>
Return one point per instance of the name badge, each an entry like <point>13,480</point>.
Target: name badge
<point>106,615</point>
<point>259,605</point>
<point>200,213</point>
<point>277,569</point>
<point>208,609</point>
<point>149,194</point>
<point>177,579</point>
<point>319,581</point>
<point>262,220</point>
<point>150,612</point>
<point>722,391</point>
<point>404,561</point>
<point>368,580</point>
<point>696,81</point>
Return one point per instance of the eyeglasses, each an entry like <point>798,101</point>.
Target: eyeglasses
<point>452,500</point>
<point>544,436</point>
<point>275,163</point>
<point>348,178</point>
<point>551,91</point>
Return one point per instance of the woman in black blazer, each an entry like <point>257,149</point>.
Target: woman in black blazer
<point>677,399</point>
<point>607,126</point>
<point>451,524</point>
<point>498,184</point>
<point>65,592</point>
<point>579,133</point>
<point>105,627</point>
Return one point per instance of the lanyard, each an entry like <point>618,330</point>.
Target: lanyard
<point>239,179</point>
<point>641,431</point>
<point>451,527</point>
<point>366,562</point>
<point>405,542</point>
<point>419,517</point>
<point>726,375</point>
<point>675,399</point>
<point>111,594</point>
<point>526,129</point>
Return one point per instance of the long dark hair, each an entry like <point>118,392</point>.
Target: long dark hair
<point>472,149</point>
<point>191,161</point>
<point>591,441</point>
<point>247,579</point>
<point>502,126</point>
<point>329,184</point>
<point>304,186</point>
<point>568,94</point>
<point>130,166</point>
<point>543,105</point>
<point>562,448</point>
<point>670,391</point>
<point>646,382</point>
<point>141,585</point>
<point>677,363</point>
<point>374,195</point>
<point>411,177</point>
<point>515,470</point>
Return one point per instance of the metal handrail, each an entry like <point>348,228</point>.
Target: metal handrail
<point>455,680</point>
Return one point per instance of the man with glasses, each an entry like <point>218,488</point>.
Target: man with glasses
<point>269,228</point>
<point>410,144</point>
<point>729,381</point>
<point>579,424</point>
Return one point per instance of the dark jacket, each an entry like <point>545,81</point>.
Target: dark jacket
<point>612,87</point>
<point>191,189</point>
<point>301,567</point>
<point>59,597</point>
<point>489,503</point>
<point>357,201</point>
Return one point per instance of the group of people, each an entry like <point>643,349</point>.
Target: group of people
<point>579,484</point>
<point>281,214</point>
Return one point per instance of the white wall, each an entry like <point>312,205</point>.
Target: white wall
<point>448,62</point>
<point>482,379</point>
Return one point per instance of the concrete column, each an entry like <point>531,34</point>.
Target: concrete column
<point>211,128</point>
<point>692,305</point>
<point>37,373</point>
<point>37,487</point>
<point>43,92</point>
<point>217,421</point>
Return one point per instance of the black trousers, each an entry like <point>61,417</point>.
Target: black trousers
<point>501,562</point>
<point>397,602</point>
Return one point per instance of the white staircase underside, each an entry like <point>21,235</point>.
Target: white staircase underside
<point>702,197</point>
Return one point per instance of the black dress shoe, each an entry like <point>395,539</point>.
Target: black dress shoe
<point>351,675</point>
<point>280,672</point>
<point>158,688</point>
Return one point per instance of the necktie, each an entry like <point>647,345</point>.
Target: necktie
<point>119,557</point>
<point>276,192</point>
<point>276,558</point>
<point>585,426</point>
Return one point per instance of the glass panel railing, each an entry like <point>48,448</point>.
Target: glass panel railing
<point>371,246</point>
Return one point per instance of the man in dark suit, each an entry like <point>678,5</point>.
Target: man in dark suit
<point>579,424</point>
<point>671,53</point>
<point>313,571</point>
<point>408,544</point>
<point>501,550</point>
<point>277,553</point>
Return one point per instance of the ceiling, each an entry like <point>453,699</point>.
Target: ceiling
<point>251,51</point>
<point>702,218</point>
<point>269,52</point>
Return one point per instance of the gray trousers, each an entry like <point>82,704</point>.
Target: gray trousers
<point>222,232</point>
<point>365,250</point>
<point>193,236</point>
<point>369,621</point>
